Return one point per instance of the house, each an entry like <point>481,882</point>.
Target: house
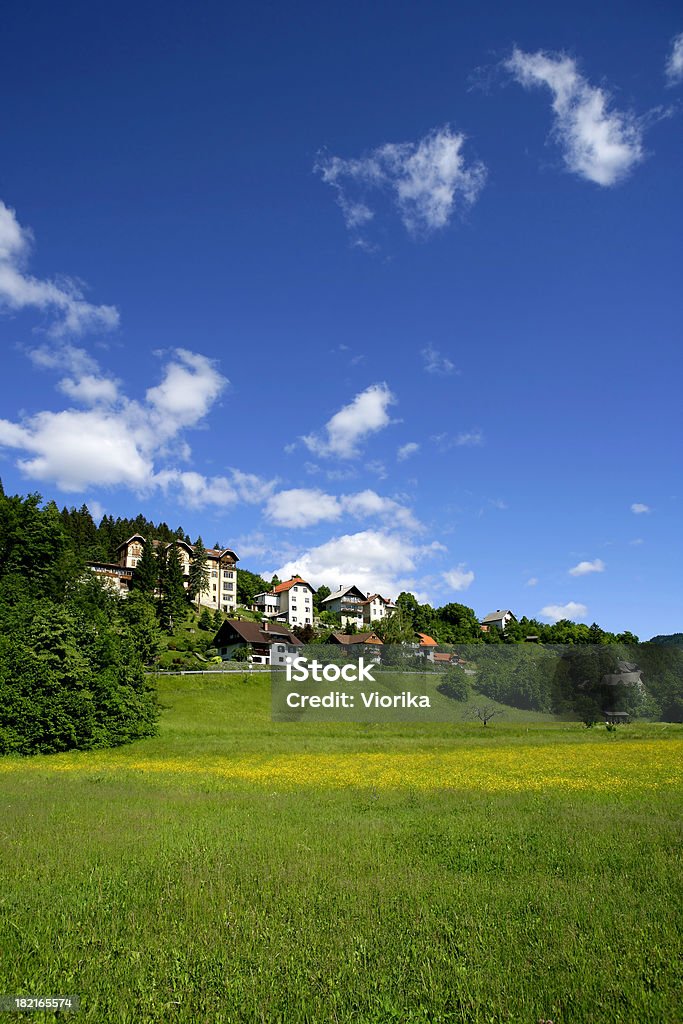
<point>220,591</point>
<point>376,608</point>
<point>268,643</point>
<point>347,602</point>
<point>499,619</point>
<point>355,639</point>
<point>427,646</point>
<point>290,602</point>
<point>617,717</point>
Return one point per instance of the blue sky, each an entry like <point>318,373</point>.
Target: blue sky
<point>377,293</point>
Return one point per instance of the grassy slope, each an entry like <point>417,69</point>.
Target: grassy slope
<point>171,898</point>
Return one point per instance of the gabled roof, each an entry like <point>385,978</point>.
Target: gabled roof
<point>212,552</point>
<point>355,638</point>
<point>427,641</point>
<point>376,597</point>
<point>295,580</point>
<point>341,593</point>
<point>498,615</point>
<point>443,657</point>
<point>254,633</point>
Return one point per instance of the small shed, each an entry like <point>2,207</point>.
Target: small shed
<point>617,717</point>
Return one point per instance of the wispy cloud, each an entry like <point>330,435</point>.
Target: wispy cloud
<point>674,63</point>
<point>466,439</point>
<point>532,581</point>
<point>571,610</point>
<point>348,428</point>
<point>584,568</point>
<point>639,509</point>
<point>435,362</point>
<point>62,297</point>
<point>406,450</point>
<point>459,578</point>
<point>599,144</point>
<point>426,180</point>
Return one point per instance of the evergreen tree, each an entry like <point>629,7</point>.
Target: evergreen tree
<point>146,573</point>
<point>173,600</point>
<point>199,572</point>
<point>206,620</point>
<point>217,619</point>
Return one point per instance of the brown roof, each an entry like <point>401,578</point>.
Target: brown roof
<point>442,657</point>
<point>254,633</point>
<point>356,638</point>
<point>427,641</point>
<point>290,583</point>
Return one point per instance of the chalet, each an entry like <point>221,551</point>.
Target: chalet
<point>499,619</point>
<point>376,608</point>
<point>268,643</point>
<point>355,639</point>
<point>347,602</point>
<point>220,591</point>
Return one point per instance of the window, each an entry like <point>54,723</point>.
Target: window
<point>214,587</point>
<point>295,588</point>
<point>214,574</point>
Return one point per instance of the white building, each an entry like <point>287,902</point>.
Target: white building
<point>290,602</point>
<point>498,619</point>
<point>376,608</point>
<point>347,602</point>
<point>220,591</point>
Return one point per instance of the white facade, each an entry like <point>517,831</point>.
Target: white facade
<point>348,603</point>
<point>376,608</point>
<point>296,602</point>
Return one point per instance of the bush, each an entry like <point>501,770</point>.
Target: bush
<point>455,686</point>
<point>71,683</point>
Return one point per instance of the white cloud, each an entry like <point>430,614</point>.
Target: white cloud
<point>572,610</point>
<point>345,431</point>
<point>190,387</point>
<point>302,507</point>
<point>426,180</point>
<point>639,509</point>
<point>79,449</point>
<point>584,568</point>
<point>674,64</point>
<point>62,297</point>
<point>532,581</point>
<point>435,362</point>
<point>374,560</point>
<point>86,383</point>
<point>119,441</point>
<point>637,541</point>
<point>197,490</point>
<point>459,578</point>
<point>406,450</point>
<point>598,144</point>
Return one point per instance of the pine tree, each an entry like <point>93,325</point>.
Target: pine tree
<point>217,619</point>
<point>173,596</point>
<point>146,574</point>
<point>199,572</point>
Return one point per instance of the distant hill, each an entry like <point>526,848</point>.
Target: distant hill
<point>668,639</point>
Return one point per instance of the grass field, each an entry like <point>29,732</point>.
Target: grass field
<point>233,869</point>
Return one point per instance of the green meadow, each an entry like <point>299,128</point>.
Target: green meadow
<point>234,869</point>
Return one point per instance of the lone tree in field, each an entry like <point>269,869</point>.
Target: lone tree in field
<point>486,712</point>
<point>199,572</point>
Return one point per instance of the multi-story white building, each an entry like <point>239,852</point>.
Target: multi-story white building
<point>290,602</point>
<point>220,591</point>
<point>348,603</point>
<point>376,608</point>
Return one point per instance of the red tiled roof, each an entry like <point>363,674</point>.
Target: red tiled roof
<point>427,641</point>
<point>290,583</point>
<point>442,657</point>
